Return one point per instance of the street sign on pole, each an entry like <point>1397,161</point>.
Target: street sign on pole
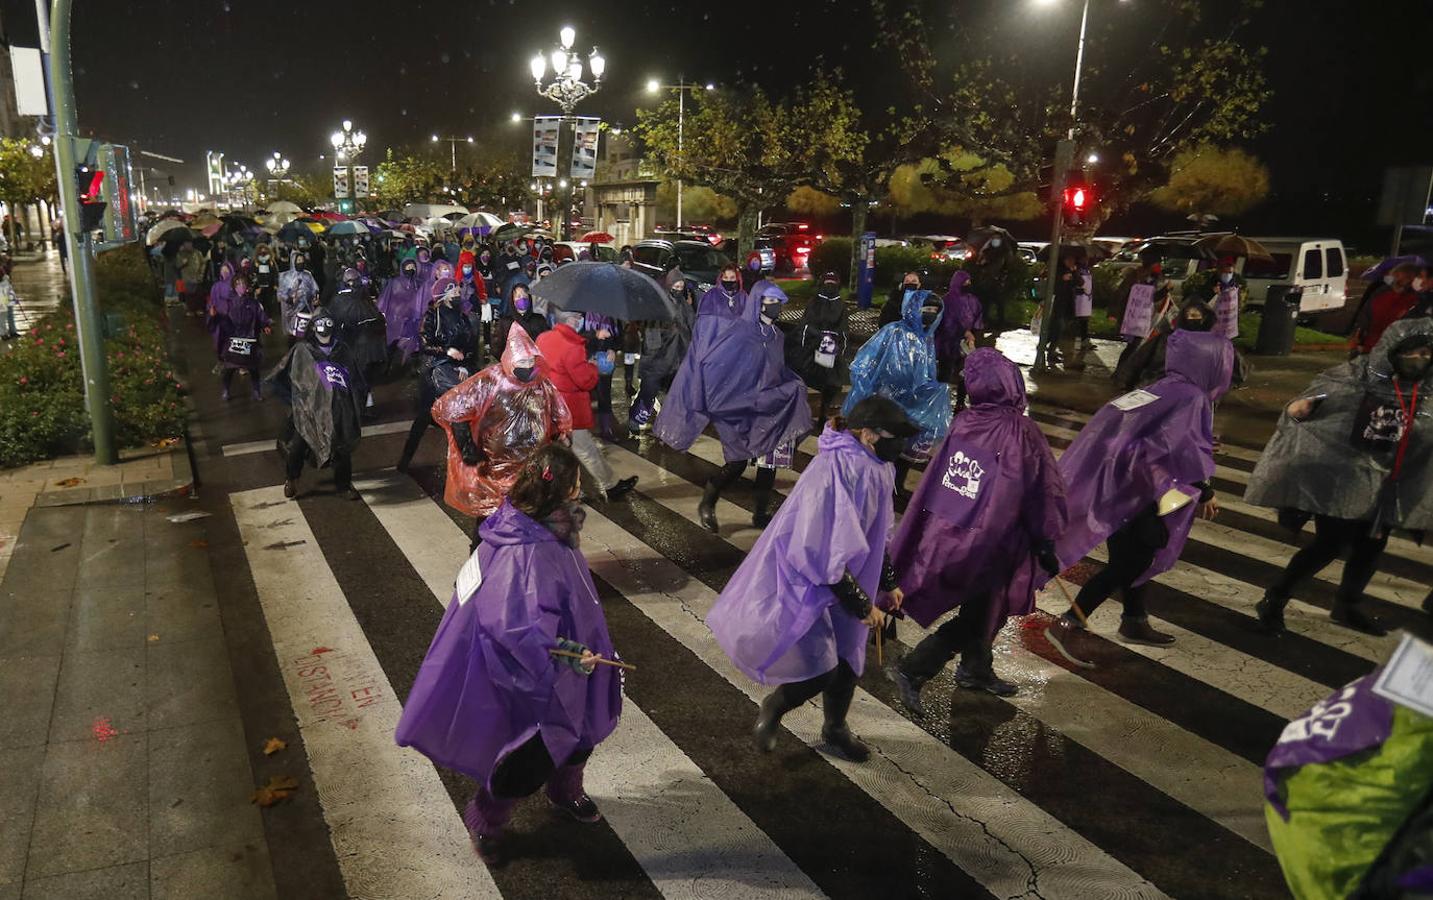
<point>360,182</point>
<point>866,271</point>
<point>120,226</point>
<point>340,182</point>
<point>214,169</point>
<point>28,69</point>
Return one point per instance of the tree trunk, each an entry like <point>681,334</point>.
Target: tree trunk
<point>746,230</point>
<point>859,210</point>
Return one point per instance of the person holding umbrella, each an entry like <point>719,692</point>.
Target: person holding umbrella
<point>575,375</point>
<point>735,377</point>
<point>664,346</point>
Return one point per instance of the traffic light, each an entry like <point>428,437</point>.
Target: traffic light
<point>1078,202</point>
<point>89,182</point>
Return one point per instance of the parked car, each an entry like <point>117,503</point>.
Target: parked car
<point>573,249</point>
<point>943,247</point>
<point>792,243</point>
<point>697,260</point>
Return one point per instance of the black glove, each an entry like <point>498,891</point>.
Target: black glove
<point>467,447</point>
<point>851,596</point>
<point>1047,559</point>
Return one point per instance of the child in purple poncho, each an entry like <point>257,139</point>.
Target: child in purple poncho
<point>492,699</point>
<point>797,613</point>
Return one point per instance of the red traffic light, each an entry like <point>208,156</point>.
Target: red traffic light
<point>1079,200</point>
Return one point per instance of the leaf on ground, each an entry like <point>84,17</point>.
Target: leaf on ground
<point>277,790</point>
<point>153,638</point>
<point>69,482</point>
<point>199,543</point>
<point>273,745</point>
<point>164,442</point>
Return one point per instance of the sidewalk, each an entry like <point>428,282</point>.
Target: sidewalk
<point>126,767</point>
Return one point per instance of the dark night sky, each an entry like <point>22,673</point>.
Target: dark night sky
<point>1352,92</point>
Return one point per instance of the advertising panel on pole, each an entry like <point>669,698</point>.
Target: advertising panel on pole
<point>340,182</point>
<point>360,182</point>
<point>545,130</point>
<point>866,273</point>
<point>584,148</point>
<point>120,224</point>
<point>28,70</point>
<point>214,168</point>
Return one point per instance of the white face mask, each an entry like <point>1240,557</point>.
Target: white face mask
<point>1420,285</point>
<point>1226,277</point>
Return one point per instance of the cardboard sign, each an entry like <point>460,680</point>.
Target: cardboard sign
<point>1139,311</point>
<point>1084,301</point>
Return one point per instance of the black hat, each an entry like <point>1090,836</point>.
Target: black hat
<point>883,414</point>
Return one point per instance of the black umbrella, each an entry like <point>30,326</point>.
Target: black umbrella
<point>508,231</point>
<point>295,231</point>
<point>978,237</point>
<point>605,289</point>
<point>176,236</point>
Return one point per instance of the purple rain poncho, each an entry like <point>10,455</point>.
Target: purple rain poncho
<point>238,338</point>
<point>1123,461</point>
<point>220,293</point>
<point>961,312</point>
<point>717,302</point>
<point>991,495</point>
<point>403,304</point>
<point>899,362</point>
<point>488,682</point>
<point>735,376</point>
<point>777,618</point>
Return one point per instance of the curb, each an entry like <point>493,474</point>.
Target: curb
<point>182,485</point>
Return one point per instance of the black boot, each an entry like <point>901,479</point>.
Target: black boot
<point>776,705</point>
<point>761,514</point>
<point>706,510</point>
<point>1349,614</point>
<point>909,688</point>
<point>835,703</point>
<point>1270,611</point>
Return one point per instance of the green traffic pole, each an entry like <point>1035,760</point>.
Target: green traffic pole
<point>86,297</point>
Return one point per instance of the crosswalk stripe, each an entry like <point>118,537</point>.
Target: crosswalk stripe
<point>1212,781</point>
<point>1055,415</point>
<point>703,846</point>
<point>1004,841</point>
<point>247,447</point>
<point>394,830</point>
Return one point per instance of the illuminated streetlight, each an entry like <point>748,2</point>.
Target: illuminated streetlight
<point>516,118</point>
<point>681,87</point>
<point>1092,159</point>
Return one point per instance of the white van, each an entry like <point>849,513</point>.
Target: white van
<point>1317,265</point>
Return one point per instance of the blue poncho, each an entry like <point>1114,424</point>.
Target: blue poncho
<point>899,362</point>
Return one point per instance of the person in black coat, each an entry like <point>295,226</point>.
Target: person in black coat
<point>891,311</point>
<point>816,345</point>
<point>361,326</point>
<point>447,343</point>
<point>519,310</point>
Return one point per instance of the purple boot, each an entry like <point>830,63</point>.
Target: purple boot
<point>564,791</point>
<point>485,816</point>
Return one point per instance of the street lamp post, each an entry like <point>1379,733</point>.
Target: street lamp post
<point>453,146</point>
<point>567,89</point>
<point>348,145</point>
<point>1064,158</point>
<point>681,87</point>
<point>238,180</point>
<point>278,167</point>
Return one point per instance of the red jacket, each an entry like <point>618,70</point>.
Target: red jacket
<point>570,371</point>
<point>1386,307</point>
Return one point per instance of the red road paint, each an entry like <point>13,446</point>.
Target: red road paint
<point>319,651</point>
<point>336,689</point>
<point>103,730</point>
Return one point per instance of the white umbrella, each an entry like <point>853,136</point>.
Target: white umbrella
<point>432,210</point>
<point>479,219</point>
<point>157,231</point>
<point>282,212</point>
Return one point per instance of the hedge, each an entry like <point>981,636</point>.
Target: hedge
<point>42,408</point>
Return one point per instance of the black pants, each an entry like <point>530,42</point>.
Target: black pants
<point>1131,345</point>
<point>422,421</point>
<point>603,394</point>
<point>298,453</point>
<point>473,544</point>
<point>964,634</point>
<point>226,378</point>
<point>1082,327</point>
<point>1056,330</point>
<point>838,687</point>
<point>629,371</point>
<point>522,772</point>
<point>1332,538</point>
<point>765,480</point>
<point>1132,551</point>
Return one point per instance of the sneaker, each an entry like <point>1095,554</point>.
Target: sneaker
<point>1138,631</point>
<point>621,488</point>
<point>489,849</point>
<point>984,681</point>
<point>1270,611</point>
<point>909,689</point>
<point>847,744</point>
<point>1349,615</point>
<point>580,808</point>
<point>1071,640</point>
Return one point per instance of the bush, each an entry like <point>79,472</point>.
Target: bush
<point>42,409</point>
<point>831,255</point>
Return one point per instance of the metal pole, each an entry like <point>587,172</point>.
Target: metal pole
<point>453,146</point>
<point>1079,65</point>
<point>82,275</point>
<point>681,124</point>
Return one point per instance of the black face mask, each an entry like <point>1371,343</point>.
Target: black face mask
<point>410,271</point>
<point>888,449</point>
<point>830,292</point>
<point>1202,323</point>
<point>730,286</point>
<point>524,373</point>
<point>770,311</point>
<point>928,316</point>
<point>299,264</point>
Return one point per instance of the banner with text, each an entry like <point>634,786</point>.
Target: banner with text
<point>545,130</point>
<point>584,149</point>
<point>360,181</point>
<point>340,182</point>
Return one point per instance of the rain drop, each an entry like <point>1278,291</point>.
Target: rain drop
<point>134,85</point>
<point>443,59</point>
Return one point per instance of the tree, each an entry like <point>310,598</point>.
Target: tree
<point>25,177</point>
<point>747,147</point>
<point>960,183</point>
<point>1209,181</point>
<point>699,204</point>
<point>409,178</point>
<point>1154,85</point>
<point>808,200</point>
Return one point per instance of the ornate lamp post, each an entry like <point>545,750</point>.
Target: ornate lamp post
<point>348,145</point>
<point>567,89</point>
<point>278,168</point>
